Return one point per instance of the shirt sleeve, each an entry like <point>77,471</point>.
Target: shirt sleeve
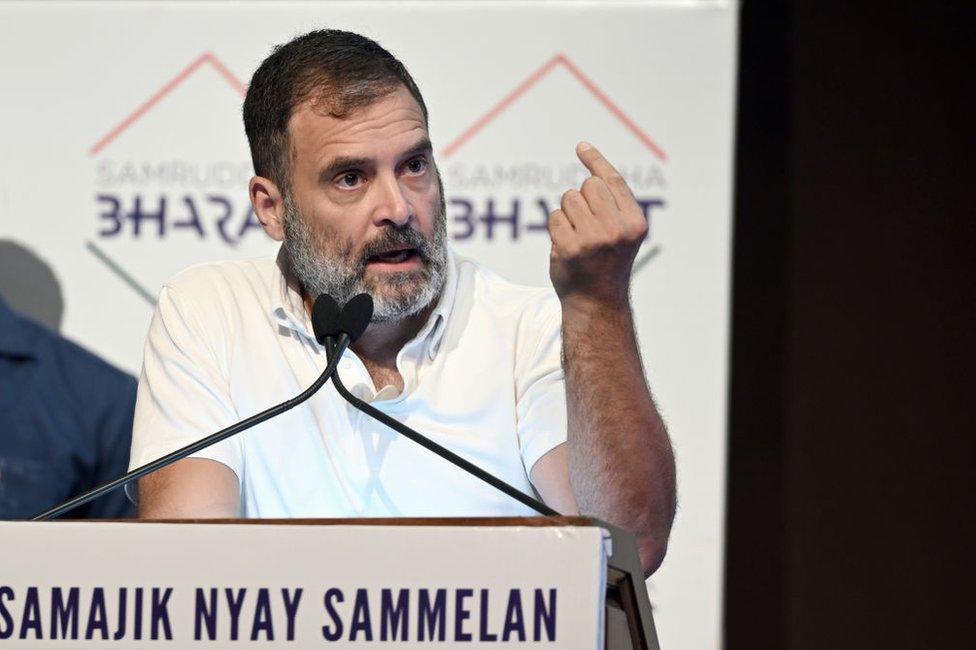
<point>541,386</point>
<point>183,392</point>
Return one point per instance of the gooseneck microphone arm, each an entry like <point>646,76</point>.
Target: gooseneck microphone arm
<point>335,353</point>
<point>203,443</point>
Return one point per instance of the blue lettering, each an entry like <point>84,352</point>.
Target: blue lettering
<point>291,610</point>
<point>31,617</point>
<point>483,633</point>
<point>6,593</point>
<point>112,215</point>
<point>120,628</point>
<point>466,215</point>
<point>136,216</point>
<point>194,219</point>
<point>461,614</point>
<point>466,218</point>
<point>234,605</point>
<point>544,615</point>
<point>360,617</point>
<point>514,622</point>
<point>262,617</point>
<point>434,615</point>
<point>394,615</point>
<point>137,615</point>
<point>160,613</point>
<point>224,217</point>
<point>160,215</point>
<point>329,633</point>
<point>96,615</point>
<point>544,224</point>
<point>205,613</point>
<point>647,205</point>
<point>64,613</point>
<point>490,219</point>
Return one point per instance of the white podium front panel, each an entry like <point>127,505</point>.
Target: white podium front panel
<point>293,585</point>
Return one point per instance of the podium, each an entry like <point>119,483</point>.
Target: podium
<point>566,582</point>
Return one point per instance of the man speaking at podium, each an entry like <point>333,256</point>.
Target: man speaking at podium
<point>542,389</point>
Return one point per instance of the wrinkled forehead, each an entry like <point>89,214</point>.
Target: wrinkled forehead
<point>391,121</point>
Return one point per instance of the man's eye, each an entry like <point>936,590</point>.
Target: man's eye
<point>417,166</point>
<point>350,179</point>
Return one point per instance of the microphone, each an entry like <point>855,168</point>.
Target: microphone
<point>331,323</point>
<point>325,316</point>
<point>350,325</point>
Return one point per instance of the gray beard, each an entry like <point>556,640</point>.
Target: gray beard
<point>324,264</point>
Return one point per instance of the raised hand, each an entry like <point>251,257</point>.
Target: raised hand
<point>596,233</point>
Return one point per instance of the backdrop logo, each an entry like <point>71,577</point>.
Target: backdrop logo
<point>149,197</point>
<point>155,197</point>
<point>165,185</point>
<point>511,199</point>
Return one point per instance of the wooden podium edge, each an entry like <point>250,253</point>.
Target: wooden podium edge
<point>374,521</point>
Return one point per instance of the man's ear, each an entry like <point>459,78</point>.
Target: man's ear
<point>268,206</point>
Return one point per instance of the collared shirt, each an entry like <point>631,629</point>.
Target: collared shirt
<point>65,421</point>
<point>482,378</point>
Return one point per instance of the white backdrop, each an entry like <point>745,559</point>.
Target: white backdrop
<point>124,160</point>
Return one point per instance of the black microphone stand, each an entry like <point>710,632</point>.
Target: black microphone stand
<point>203,443</point>
<point>427,443</point>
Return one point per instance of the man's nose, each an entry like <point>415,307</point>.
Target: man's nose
<point>392,206</point>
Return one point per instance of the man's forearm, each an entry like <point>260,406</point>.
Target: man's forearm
<point>620,459</point>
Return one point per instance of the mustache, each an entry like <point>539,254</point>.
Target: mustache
<point>405,237</point>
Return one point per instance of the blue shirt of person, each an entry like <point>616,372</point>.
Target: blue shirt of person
<point>65,423</point>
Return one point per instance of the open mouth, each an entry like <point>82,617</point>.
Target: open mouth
<point>395,256</point>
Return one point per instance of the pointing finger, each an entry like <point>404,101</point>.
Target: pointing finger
<point>601,168</point>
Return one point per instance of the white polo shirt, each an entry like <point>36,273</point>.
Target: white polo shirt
<point>482,378</point>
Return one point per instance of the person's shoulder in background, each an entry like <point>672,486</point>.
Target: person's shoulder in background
<point>65,422</point>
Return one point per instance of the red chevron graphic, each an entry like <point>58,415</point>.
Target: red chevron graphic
<point>532,80</point>
<point>171,85</point>
<point>447,152</point>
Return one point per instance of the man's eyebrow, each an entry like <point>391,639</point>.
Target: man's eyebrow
<point>423,146</point>
<point>342,163</point>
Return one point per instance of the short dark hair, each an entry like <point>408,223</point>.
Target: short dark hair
<point>339,71</point>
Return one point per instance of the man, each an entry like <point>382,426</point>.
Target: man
<point>65,422</point>
<point>345,176</point>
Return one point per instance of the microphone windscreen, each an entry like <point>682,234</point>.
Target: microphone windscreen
<point>355,316</point>
<point>325,318</point>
